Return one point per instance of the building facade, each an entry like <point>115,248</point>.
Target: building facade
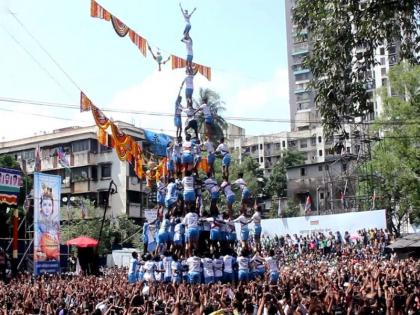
<point>91,166</point>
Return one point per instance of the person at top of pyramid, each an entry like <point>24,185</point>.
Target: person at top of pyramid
<point>187,17</point>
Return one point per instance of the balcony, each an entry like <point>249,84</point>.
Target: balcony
<point>300,70</point>
<point>299,49</point>
<point>134,210</point>
<point>134,184</point>
<point>82,159</point>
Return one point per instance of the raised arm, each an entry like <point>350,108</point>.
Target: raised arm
<point>193,11</point>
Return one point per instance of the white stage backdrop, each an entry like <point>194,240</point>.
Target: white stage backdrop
<point>351,222</point>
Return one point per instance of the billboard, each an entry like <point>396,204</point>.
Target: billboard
<point>10,183</point>
<point>47,191</point>
<point>350,221</point>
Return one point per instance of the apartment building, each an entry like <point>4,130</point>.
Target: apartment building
<point>301,97</point>
<point>91,166</point>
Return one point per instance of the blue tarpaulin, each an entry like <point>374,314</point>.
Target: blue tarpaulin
<point>157,142</point>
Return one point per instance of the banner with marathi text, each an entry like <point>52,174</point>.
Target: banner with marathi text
<point>47,195</point>
<point>10,183</point>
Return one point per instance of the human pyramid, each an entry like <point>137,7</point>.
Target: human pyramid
<point>186,239</point>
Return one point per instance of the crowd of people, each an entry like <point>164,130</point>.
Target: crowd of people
<point>351,277</point>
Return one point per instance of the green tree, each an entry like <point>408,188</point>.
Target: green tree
<point>336,29</point>
<point>396,159</point>
<point>277,182</point>
<point>217,107</point>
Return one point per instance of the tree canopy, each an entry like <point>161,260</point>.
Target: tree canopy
<point>396,159</point>
<point>343,36</point>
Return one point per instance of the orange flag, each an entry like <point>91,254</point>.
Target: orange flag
<point>139,41</point>
<point>178,62</point>
<point>85,103</point>
<point>99,12</point>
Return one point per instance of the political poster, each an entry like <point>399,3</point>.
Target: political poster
<point>47,195</point>
<point>10,183</point>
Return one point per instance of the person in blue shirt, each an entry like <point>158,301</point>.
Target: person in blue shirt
<point>133,268</point>
<point>171,194</point>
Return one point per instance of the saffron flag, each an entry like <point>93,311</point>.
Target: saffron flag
<point>308,204</point>
<point>120,28</point>
<point>85,103</point>
<point>178,62</point>
<point>139,41</point>
<point>100,119</point>
<point>98,11</point>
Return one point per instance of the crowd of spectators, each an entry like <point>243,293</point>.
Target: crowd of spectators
<point>320,274</point>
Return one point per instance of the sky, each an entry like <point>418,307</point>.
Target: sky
<point>243,41</point>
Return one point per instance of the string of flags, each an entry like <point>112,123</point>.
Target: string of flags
<point>125,146</point>
<point>97,11</point>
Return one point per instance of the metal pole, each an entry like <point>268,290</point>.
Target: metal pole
<point>110,191</point>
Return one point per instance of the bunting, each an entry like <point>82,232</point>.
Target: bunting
<point>85,103</point>
<point>178,62</point>
<point>98,11</point>
<point>100,119</point>
<point>120,28</point>
<point>139,41</point>
<point>105,139</point>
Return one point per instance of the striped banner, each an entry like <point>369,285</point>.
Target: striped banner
<point>178,62</point>
<point>99,12</point>
<point>139,41</point>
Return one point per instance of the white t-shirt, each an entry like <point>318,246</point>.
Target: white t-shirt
<point>209,146</point>
<point>206,110</point>
<point>194,264</point>
<point>258,261</point>
<point>211,185</point>
<point>164,226</point>
<point>189,45</point>
<point>189,84</point>
<point>243,263</point>
<point>256,217</point>
<point>218,267</point>
<point>188,183</point>
<point>272,264</point>
<point>227,189</point>
<point>241,183</point>
<point>223,149</point>
<point>191,220</point>
<point>243,221</point>
<point>167,264</point>
<point>187,146</point>
<point>178,231</point>
<point>176,151</point>
<point>208,267</point>
<point>149,271</point>
<point>228,264</point>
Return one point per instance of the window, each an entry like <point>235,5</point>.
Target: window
<point>383,72</point>
<point>28,155</point>
<point>327,167</point>
<point>261,159</point>
<point>104,148</point>
<point>321,195</point>
<point>302,171</point>
<point>94,172</point>
<point>382,51</point>
<point>313,141</point>
<point>291,143</point>
<point>320,168</point>
<point>382,61</point>
<point>261,146</point>
<point>79,174</point>
<point>384,82</point>
<point>344,167</point>
<point>78,146</point>
<point>392,50</point>
<point>319,139</point>
<point>303,143</point>
<point>105,170</point>
<point>283,144</point>
<point>277,147</point>
<point>320,152</point>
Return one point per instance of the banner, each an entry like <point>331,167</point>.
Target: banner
<point>10,183</point>
<point>178,62</point>
<point>47,196</point>
<point>157,142</point>
<point>85,103</point>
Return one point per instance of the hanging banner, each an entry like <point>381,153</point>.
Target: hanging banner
<point>100,119</point>
<point>178,62</point>
<point>47,196</point>
<point>120,28</point>
<point>157,142</point>
<point>139,41</point>
<point>10,183</point>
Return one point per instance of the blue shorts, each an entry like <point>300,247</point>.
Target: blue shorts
<point>223,236</point>
<point>274,277</point>
<point>189,58</point>
<point>188,93</point>
<point>227,276</point>
<point>189,196</point>
<point>140,275</point>
<point>226,160</point>
<point>194,277</point>
<point>170,202</point>
<point>259,273</point>
<point>160,199</point>
<point>231,200</point>
<point>177,279</point>
<point>215,195</point>
<point>257,230</point>
<point>170,165</point>
<point>211,158</point>
<point>244,235</point>
<point>178,242</point>
<point>192,234</point>
<point>232,236</point>
<point>208,120</point>
<point>178,121</point>
<point>246,193</point>
<point>187,158</point>
<point>167,279</point>
<point>163,237</point>
<point>214,235</point>
<point>187,28</point>
<point>208,280</point>
<point>243,275</point>
<point>132,277</point>
<point>218,279</point>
